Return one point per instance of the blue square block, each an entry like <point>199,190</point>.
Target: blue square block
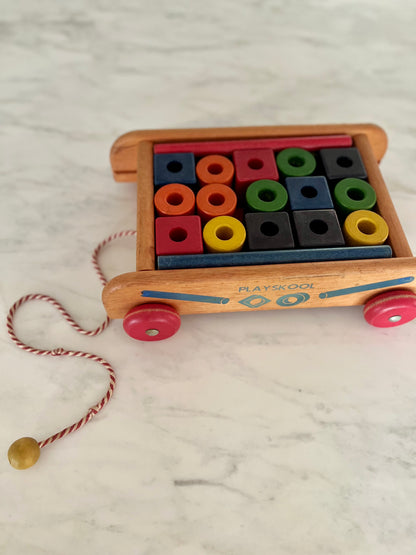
<point>309,193</point>
<point>174,168</point>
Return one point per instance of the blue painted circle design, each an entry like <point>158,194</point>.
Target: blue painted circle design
<point>293,299</point>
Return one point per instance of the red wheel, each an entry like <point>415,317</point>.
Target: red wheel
<point>151,322</point>
<point>391,309</point>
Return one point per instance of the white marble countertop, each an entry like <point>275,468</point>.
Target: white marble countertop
<point>253,434</point>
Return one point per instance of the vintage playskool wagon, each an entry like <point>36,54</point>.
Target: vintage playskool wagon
<point>260,218</point>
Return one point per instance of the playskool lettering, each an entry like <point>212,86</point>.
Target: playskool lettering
<point>275,287</point>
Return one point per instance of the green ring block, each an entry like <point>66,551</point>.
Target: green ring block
<point>352,194</point>
<point>266,195</point>
<point>295,162</point>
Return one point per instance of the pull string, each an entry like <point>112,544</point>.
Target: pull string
<point>24,452</point>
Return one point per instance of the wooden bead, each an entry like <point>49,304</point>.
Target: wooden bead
<point>295,162</point>
<point>224,234</point>
<point>266,195</point>
<point>23,453</point>
<point>352,194</point>
<point>215,169</point>
<point>215,200</point>
<point>364,227</point>
<point>174,199</point>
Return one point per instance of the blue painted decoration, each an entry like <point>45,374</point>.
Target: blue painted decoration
<point>185,297</point>
<point>367,287</point>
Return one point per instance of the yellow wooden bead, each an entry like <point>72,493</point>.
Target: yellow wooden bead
<point>224,234</point>
<point>364,227</point>
<point>23,453</point>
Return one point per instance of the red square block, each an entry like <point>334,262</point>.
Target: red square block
<point>252,165</point>
<point>178,235</point>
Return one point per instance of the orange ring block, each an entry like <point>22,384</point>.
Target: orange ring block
<point>215,169</point>
<point>215,200</point>
<point>174,200</point>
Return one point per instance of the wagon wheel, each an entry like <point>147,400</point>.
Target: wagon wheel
<point>151,322</point>
<point>390,309</point>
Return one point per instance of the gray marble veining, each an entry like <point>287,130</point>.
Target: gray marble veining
<point>253,434</point>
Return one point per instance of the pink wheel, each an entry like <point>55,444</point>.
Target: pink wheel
<point>390,309</point>
<point>151,322</point>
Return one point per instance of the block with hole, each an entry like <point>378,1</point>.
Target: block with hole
<point>309,193</point>
<point>266,195</point>
<point>224,234</point>
<point>340,163</point>
<point>252,165</point>
<point>295,162</point>
<point>352,194</point>
<point>215,200</point>
<point>215,169</point>
<point>178,235</point>
<point>267,231</point>
<point>318,228</point>
<point>174,199</point>
<point>174,168</point>
<point>364,227</point>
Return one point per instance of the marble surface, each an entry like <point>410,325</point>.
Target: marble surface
<point>252,434</point>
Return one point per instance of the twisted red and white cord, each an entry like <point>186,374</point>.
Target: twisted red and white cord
<point>63,352</point>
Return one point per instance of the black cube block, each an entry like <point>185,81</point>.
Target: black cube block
<point>339,163</point>
<point>318,228</point>
<point>269,231</point>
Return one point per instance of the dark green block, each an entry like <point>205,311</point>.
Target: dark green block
<point>295,162</point>
<point>266,195</point>
<point>352,194</point>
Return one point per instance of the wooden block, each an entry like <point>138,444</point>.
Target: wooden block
<point>174,168</point>
<point>308,193</point>
<point>318,228</point>
<point>178,235</point>
<point>266,195</point>
<point>174,200</point>
<point>224,234</point>
<point>252,165</point>
<point>295,162</point>
<point>364,227</point>
<point>215,169</point>
<point>215,200</point>
<point>226,148</point>
<point>354,194</point>
<point>340,163</point>
<point>254,258</point>
<point>270,231</point>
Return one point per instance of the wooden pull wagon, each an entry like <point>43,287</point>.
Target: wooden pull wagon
<point>343,272</point>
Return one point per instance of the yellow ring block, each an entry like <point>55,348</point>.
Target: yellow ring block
<point>224,234</point>
<point>364,227</point>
